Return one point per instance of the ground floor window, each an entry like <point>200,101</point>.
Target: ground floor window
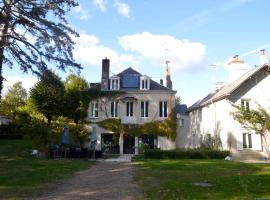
<point>110,143</point>
<point>147,142</point>
<point>247,140</point>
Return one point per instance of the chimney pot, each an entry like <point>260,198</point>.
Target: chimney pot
<point>161,81</point>
<point>263,59</point>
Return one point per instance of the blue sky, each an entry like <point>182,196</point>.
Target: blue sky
<point>142,34</point>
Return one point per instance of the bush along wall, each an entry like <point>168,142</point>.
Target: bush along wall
<point>185,154</point>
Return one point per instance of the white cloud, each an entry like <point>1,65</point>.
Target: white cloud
<point>232,4</point>
<point>83,14</point>
<point>27,82</point>
<point>100,4</point>
<point>89,50</point>
<point>122,8</point>
<point>183,54</point>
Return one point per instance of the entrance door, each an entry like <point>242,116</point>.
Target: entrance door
<point>129,144</point>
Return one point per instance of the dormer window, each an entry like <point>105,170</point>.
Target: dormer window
<point>114,83</point>
<point>144,83</point>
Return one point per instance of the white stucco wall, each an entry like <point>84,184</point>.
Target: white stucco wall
<point>183,137</point>
<point>165,144</point>
<point>216,116</point>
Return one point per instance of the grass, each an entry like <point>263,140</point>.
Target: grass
<point>22,176</point>
<point>172,179</point>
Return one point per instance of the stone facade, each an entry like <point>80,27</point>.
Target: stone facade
<point>141,102</point>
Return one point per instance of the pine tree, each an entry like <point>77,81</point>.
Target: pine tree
<point>34,33</point>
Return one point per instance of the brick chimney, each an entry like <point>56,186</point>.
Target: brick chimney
<point>168,75</point>
<point>105,74</point>
<point>161,81</point>
<point>263,59</point>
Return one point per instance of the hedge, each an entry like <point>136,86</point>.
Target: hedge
<point>185,154</point>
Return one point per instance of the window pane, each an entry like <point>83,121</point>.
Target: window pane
<point>92,109</point>
<point>249,141</point>
<point>146,84</point>
<point>160,109</point>
<point>142,109</point>
<point>242,104</point>
<point>112,109</point>
<point>116,109</point>
<point>165,109</point>
<point>244,141</point>
<point>247,105</point>
<point>96,110</point>
<point>127,106</point>
<point>131,109</point>
<point>146,108</point>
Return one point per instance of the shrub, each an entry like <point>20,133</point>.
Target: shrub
<point>185,154</point>
<point>39,134</point>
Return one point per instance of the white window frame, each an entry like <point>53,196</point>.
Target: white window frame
<point>129,109</point>
<point>114,83</point>
<point>163,113</point>
<point>245,104</point>
<point>144,83</point>
<point>144,109</point>
<point>114,109</point>
<point>94,109</point>
<point>247,141</point>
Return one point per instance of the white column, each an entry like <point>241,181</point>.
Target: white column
<point>136,145</point>
<point>121,143</point>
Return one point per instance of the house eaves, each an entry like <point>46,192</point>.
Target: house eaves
<point>227,90</point>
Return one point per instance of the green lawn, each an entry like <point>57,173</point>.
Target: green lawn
<point>21,175</point>
<point>172,179</point>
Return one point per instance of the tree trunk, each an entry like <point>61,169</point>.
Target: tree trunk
<point>265,138</point>
<point>3,38</point>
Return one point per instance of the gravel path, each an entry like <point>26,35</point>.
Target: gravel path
<point>104,180</point>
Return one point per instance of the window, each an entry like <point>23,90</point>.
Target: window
<point>163,109</point>
<point>114,109</point>
<point>129,107</point>
<point>145,83</point>
<point>114,83</point>
<point>182,122</point>
<point>144,108</point>
<point>247,141</point>
<point>245,104</point>
<point>200,114</point>
<point>94,109</point>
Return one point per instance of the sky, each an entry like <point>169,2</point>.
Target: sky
<point>197,37</point>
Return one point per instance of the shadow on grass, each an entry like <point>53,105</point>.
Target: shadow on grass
<point>172,179</point>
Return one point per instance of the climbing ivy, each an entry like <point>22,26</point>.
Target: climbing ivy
<point>92,94</point>
<point>165,127</point>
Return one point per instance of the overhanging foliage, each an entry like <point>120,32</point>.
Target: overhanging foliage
<point>165,127</point>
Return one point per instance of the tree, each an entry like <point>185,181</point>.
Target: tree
<point>48,95</point>
<point>73,98</point>
<point>178,100</point>
<point>257,120</point>
<point>34,33</point>
<point>15,97</point>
